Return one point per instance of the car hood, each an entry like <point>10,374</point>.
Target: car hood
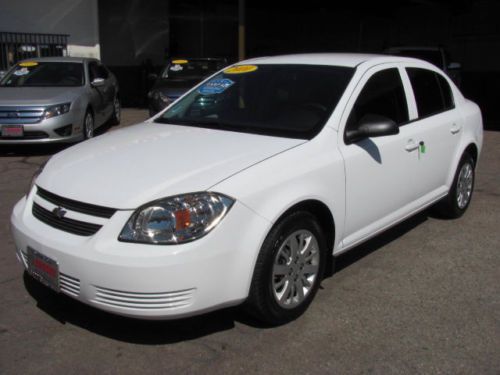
<point>129,167</point>
<point>34,96</point>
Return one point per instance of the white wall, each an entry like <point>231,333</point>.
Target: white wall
<point>78,18</point>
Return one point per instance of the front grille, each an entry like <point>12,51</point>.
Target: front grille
<point>151,301</point>
<point>28,135</point>
<point>70,204</point>
<point>77,227</point>
<point>21,115</point>
<point>69,285</point>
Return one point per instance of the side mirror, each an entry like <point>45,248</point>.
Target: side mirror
<point>152,76</point>
<point>372,126</point>
<point>97,82</point>
<point>454,66</point>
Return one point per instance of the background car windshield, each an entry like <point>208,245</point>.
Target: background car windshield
<point>191,68</point>
<point>282,100</point>
<point>45,74</point>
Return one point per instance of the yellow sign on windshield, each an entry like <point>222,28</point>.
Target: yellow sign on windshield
<point>179,62</point>
<point>240,69</point>
<point>28,64</point>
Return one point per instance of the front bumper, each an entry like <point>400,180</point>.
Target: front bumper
<point>49,130</point>
<point>147,281</point>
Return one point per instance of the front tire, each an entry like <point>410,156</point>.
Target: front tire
<point>289,269</point>
<point>116,116</point>
<point>88,125</point>
<point>458,199</point>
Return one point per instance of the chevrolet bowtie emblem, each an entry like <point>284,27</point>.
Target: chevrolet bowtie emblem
<point>59,212</point>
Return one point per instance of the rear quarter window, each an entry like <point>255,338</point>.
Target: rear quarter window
<point>432,92</point>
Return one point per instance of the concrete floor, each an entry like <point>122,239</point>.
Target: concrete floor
<point>422,298</point>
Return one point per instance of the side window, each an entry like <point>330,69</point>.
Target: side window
<point>432,92</point>
<point>93,71</point>
<point>102,71</point>
<point>445,92</point>
<point>97,71</point>
<point>382,95</point>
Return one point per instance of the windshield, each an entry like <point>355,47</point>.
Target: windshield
<point>44,74</point>
<point>179,69</point>
<point>282,100</point>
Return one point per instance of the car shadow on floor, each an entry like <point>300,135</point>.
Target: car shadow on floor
<point>32,150</point>
<point>368,247</point>
<point>66,310</point>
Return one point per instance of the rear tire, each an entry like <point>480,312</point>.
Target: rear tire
<point>458,199</point>
<point>289,269</point>
<point>116,116</point>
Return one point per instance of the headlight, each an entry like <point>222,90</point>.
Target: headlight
<point>158,96</point>
<point>56,110</point>
<point>178,219</point>
<point>165,99</point>
<point>35,175</point>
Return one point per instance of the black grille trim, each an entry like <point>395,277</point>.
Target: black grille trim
<point>70,204</point>
<point>77,227</point>
<point>28,135</point>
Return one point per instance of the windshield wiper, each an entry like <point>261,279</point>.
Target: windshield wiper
<point>212,124</point>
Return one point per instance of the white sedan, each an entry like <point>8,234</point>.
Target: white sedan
<point>248,186</point>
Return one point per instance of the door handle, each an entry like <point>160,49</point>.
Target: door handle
<point>411,145</point>
<point>455,128</point>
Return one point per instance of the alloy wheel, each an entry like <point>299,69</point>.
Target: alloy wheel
<point>464,185</point>
<point>89,126</point>
<point>295,269</point>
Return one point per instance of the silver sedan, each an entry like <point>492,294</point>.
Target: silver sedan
<point>62,99</point>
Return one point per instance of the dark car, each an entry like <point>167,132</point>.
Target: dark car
<point>178,76</point>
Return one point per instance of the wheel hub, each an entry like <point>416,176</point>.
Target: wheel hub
<point>295,269</point>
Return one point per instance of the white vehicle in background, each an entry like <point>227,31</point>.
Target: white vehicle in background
<point>247,187</point>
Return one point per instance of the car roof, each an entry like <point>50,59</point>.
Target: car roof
<point>61,59</point>
<point>335,59</point>
<point>413,48</point>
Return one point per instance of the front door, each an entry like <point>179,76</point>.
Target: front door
<point>379,171</point>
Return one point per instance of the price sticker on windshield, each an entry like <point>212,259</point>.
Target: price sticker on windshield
<point>28,64</point>
<point>215,86</point>
<point>241,69</point>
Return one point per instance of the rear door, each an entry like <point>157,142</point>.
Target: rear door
<point>439,126</point>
